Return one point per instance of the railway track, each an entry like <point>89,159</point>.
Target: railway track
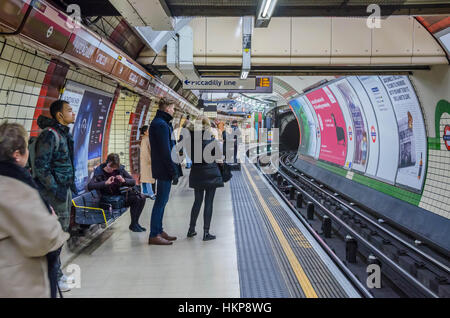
<point>356,237</point>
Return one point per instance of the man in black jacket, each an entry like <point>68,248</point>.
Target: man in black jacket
<point>54,170</point>
<point>109,178</point>
<point>164,170</point>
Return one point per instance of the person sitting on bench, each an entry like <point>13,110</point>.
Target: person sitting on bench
<point>110,179</point>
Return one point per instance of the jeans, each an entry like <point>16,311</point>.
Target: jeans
<point>162,197</point>
<point>147,188</point>
<point>207,212</point>
<point>188,161</point>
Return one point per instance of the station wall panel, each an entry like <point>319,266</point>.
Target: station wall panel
<point>272,41</point>
<point>423,43</point>
<point>394,38</point>
<point>358,44</point>
<point>199,25</point>
<point>223,36</point>
<point>22,74</point>
<point>120,128</point>
<point>436,194</point>
<point>305,29</point>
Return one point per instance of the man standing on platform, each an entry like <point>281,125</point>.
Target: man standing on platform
<point>164,170</point>
<point>54,169</point>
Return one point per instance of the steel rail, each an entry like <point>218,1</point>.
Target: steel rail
<point>357,236</point>
<point>375,224</point>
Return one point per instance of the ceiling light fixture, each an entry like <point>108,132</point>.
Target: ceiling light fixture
<point>266,9</point>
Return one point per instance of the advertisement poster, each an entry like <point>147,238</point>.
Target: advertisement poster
<point>306,125</point>
<point>91,116</point>
<point>411,131</point>
<point>331,121</point>
<point>342,91</point>
<point>371,137</point>
<point>316,127</point>
<point>387,127</point>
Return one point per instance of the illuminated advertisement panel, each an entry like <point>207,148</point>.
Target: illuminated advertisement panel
<point>370,151</point>
<point>411,131</point>
<point>91,107</point>
<point>387,124</point>
<point>349,124</point>
<point>333,130</point>
<point>306,124</point>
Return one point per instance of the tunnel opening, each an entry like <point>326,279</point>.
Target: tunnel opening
<point>289,133</point>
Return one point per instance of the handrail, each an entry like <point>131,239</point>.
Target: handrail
<point>91,208</point>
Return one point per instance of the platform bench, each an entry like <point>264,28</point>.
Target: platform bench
<point>88,211</point>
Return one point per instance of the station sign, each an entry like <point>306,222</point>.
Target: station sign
<point>220,83</point>
<point>447,137</point>
<point>210,111</point>
<point>259,84</point>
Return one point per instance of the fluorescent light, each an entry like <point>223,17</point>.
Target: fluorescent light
<point>266,8</point>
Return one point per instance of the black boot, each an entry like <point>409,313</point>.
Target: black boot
<point>135,228</point>
<point>208,237</point>
<point>191,233</point>
<point>143,229</point>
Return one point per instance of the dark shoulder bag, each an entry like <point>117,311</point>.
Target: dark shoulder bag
<point>225,171</point>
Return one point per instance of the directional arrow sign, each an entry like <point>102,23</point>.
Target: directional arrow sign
<point>220,83</point>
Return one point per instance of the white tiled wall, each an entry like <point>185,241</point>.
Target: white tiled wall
<point>119,138</point>
<point>93,79</point>
<point>436,194</point>
<point>22,73</point>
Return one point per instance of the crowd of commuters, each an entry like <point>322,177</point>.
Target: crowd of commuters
<point>37,175</point>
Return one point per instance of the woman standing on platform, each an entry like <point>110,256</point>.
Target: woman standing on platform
<point>147,180</point>
<point>29,229</point>
<point>205,174</point>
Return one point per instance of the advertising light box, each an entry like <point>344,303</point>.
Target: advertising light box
<point>332,125</point>
<point>316,127</point>
<point>411,131</point>
<point>349,99</point>
<point>91,107</point>
<point>371,150</point>
<point>387,124</point>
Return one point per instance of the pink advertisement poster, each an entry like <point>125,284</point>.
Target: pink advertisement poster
<point>332,126</point>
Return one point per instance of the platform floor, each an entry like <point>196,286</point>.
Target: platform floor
<point>261,250</point>
<point>120,263</point>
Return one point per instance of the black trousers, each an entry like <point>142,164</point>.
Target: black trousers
<point>53,268</point>
<point>207,212</point>
<point>136,204</point>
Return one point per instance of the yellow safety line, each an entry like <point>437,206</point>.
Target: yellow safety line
<point>298,270</point>
<point>90,208</point>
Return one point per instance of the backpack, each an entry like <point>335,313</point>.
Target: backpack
<point>32,149</point>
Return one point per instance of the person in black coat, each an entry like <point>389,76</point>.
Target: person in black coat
<point>108,178</point>
<point>164,169</point>
<point>205,174</point>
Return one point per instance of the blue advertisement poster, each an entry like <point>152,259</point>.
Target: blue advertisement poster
<point>88,130</point>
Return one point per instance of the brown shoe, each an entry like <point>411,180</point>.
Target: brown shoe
<point>168,237</point>
<point>158,240</point>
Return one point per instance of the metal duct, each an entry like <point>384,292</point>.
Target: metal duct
<point>180,55</point>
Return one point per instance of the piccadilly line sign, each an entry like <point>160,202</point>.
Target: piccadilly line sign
<point>220,83</point>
